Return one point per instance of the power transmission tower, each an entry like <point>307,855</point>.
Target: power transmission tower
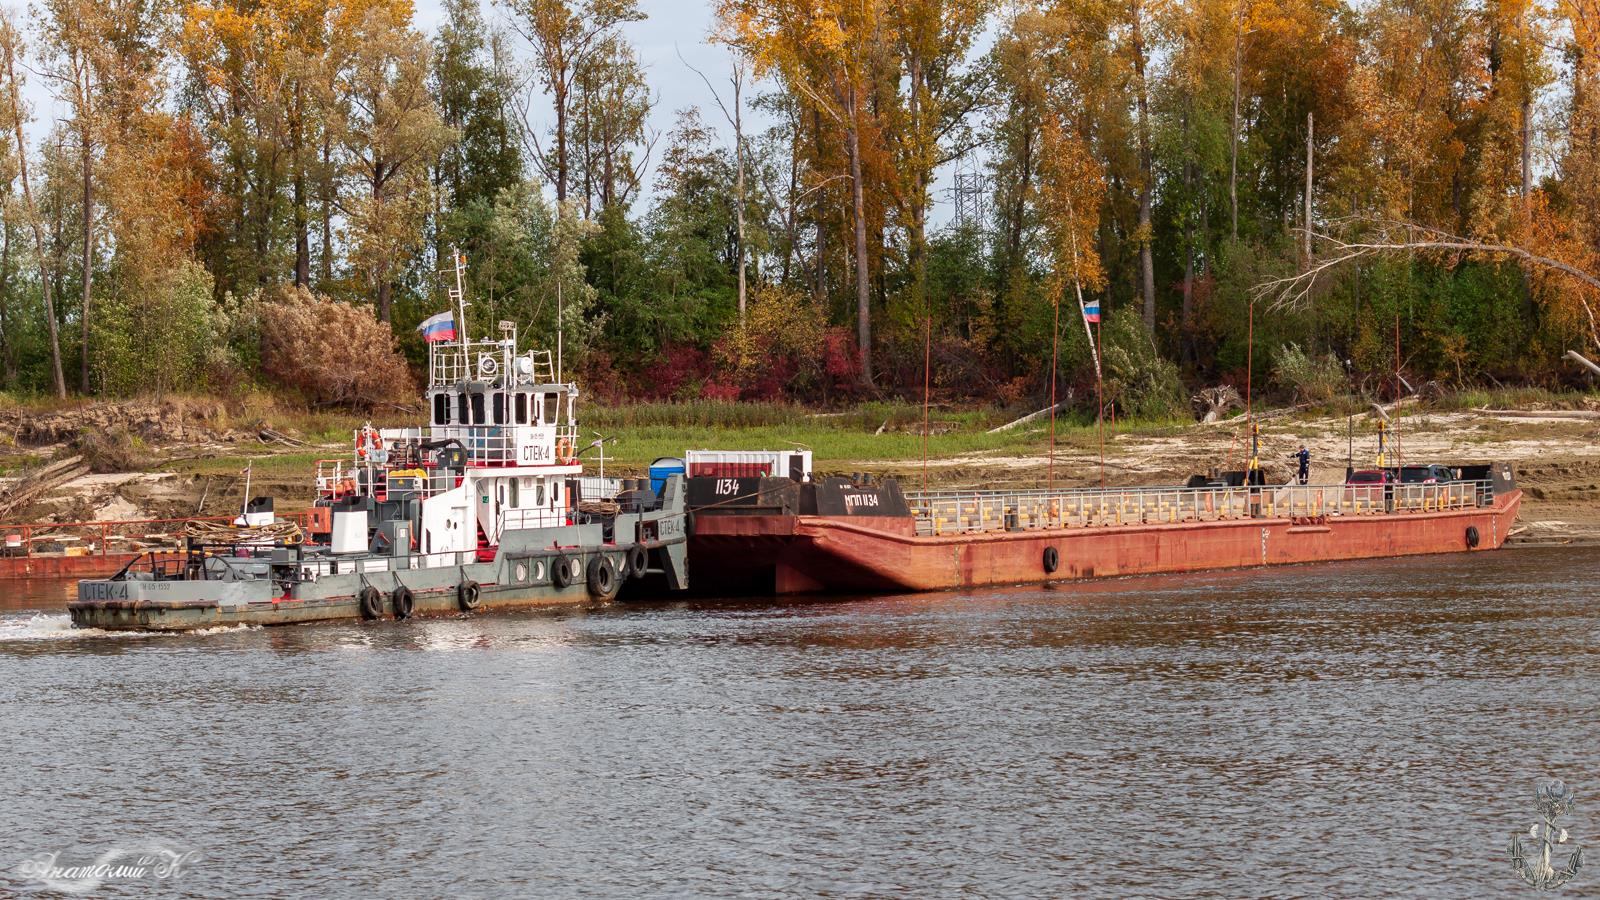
<point>970,194</point>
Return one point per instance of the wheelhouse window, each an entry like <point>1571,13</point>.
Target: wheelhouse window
<point>522,408</point>
<point>499,409</point>
<point>477,409</point>
<point>461,410</point>
<point>441,409</point>
<point>551,409</point>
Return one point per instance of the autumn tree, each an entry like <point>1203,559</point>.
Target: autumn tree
<point>823,51</point>
<point>15,111</point>
<point>566,36</point>
<point>390,130</point>
<point>930,40</point>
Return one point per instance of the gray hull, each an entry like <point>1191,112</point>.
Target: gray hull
<point>287,586</point>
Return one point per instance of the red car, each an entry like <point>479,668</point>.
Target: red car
<point>1369,485</point>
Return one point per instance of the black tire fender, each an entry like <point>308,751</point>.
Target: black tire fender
<point>371,602</point>
<point>468,596</point>
<point>1473,537</point>
<point>638,561</point>
<point>1052,560</point>
<point>561,571</point>
<point>403,602</point>
<point>602,577</point>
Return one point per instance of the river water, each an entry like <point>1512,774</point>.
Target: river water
<point>1336,730</point>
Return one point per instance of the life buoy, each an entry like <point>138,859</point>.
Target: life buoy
<point>404,602</point>
<point>1472,537</point>
<point>467,595</point>
<point>603,581</point>
<point>368,442</point>
<point>638,559</point>
<point>563,451</point>
<point>371,602</point>
<point>1052,560</point>
<point>561,571</point>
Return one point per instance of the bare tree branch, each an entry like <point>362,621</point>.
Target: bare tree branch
<point>1384,237</point>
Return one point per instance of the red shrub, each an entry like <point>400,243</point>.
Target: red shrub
<point>677,366</point>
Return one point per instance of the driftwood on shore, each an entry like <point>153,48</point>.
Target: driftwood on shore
<point>1539,413</point>
<point>268,436</point>
<point>1028,418</point>
<point>36,484</point>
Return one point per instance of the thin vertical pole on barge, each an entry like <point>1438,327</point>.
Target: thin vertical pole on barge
<point>1094,348</point>
<point>1055,354</point>
<point>1100,404</point>
<point>927,362</point>
<point>1249,408</point>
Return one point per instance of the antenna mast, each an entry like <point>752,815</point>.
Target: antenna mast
<point>458,294</point>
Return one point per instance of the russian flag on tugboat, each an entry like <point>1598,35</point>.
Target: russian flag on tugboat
<point>1091,311</point>
<point>441,327</point>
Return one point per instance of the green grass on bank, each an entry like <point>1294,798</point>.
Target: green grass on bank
<point>882,434</point>
<point>1521,398</point>
<point>839,440</point>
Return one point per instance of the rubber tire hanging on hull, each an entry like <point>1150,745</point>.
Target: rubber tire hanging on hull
<point>561,571</point>
<point>638,560</point>
<point>1472,537</point>
<point>468,596</point>
<point>403,602</point>
<point>1052,560</point>
<point>371,602</point>
<point>603,580</point>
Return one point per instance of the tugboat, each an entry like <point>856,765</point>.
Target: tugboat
<point>484,507</point>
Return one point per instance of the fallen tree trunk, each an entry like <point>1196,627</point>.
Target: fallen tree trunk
<point>1581,360</point>
<point>1539,413</point>
<point>33,485</point>
<point>1028,418</point>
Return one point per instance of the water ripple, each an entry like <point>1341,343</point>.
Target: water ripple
<point>1343,730</point>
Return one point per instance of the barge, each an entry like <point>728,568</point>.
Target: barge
<point>484,507</point>
<point>786,536</point>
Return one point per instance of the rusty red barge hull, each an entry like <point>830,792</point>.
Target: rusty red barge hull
<point>789,554</point>
<point>59,565</point>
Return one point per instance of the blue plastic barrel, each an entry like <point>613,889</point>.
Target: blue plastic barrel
<point>661,468</point>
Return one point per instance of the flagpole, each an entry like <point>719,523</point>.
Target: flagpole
<point>927,360</point>
<point>1094,350</point>
<point>1100,405</point>
<point>1055,355</point>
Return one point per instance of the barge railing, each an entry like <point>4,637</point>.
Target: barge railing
<point>960,512</point>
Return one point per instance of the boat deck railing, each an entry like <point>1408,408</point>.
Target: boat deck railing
<point>962,512</point>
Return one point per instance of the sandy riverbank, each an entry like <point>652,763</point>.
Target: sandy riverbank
<point>1557,457</point>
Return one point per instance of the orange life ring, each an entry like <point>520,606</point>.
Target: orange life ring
<point>368,441</point>
<point>563,451</point>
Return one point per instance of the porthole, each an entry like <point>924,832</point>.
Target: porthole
<point>522,572</point>
<point>538,571</point>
